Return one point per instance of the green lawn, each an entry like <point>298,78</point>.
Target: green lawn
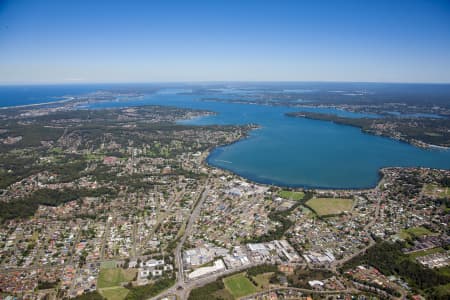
<point>425,252</point>
<point>114,277</point>
<point>114,293</point>
<point>239,285</point>
<point>330,206</point>
<point>108,265</point>
<point>417,231</point>
<point>56,150</point>
<point>291,195</point>
<point>93,157</point>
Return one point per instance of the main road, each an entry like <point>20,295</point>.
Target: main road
<point>181,288</point>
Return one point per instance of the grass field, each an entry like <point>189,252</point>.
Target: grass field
<point>291,195</point>
<point>437,191</point>
<point>239,285</point>
<point>418,231</point>
<point>113,277</point>
<point>114,293</point>
<point>108,265</point>
<point>414,232</point>
<point>330,206</point>
<point>425,252</point>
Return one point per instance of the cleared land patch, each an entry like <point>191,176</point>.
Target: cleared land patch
<point>426,252</point>
<point>330,206</point>
<point>291,195</point>
<point>239,285</point>
<point>263,280</point>
<point>114,277</point>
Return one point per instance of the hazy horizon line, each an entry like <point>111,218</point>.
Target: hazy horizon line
<point>34,83</point>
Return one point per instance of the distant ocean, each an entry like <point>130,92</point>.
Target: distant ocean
<point>13,95</point>
<point>33,94</point>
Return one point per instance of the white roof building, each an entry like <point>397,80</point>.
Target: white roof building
<point>218,266</point>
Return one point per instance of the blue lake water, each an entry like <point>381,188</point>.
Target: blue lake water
<point>299,152</point>
<point>296,151</point>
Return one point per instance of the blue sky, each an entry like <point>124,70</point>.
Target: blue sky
<point>145,41</point>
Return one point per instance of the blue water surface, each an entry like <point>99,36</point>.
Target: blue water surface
<point>299,152</point>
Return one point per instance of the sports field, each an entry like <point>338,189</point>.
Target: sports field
<point>330,206</point>
<point>108,265</point>
<point>239,285</point>
<point>114,293</point>
<point>115,276</point>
